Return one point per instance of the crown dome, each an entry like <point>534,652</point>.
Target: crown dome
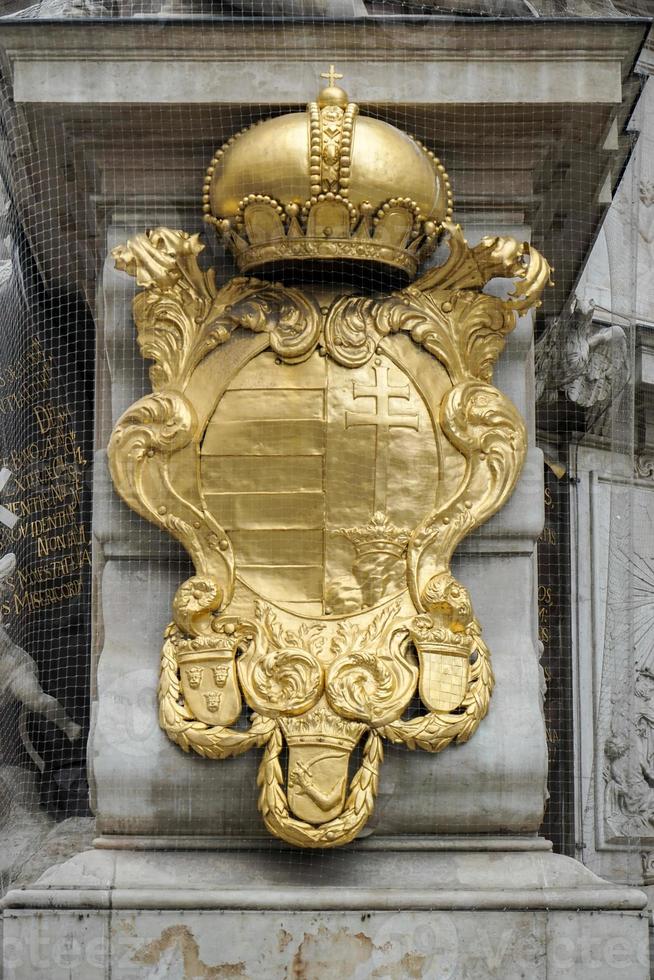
<point>327,183</point>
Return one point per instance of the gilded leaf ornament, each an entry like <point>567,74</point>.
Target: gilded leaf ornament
<point>320,613</point>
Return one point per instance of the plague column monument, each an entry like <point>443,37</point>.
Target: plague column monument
<point>321,434</point>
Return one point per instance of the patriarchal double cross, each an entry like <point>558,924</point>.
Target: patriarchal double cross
<point>384,419</point>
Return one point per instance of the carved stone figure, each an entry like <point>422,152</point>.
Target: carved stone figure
<point>19,674</point>
<point>585,362</point>
<point>629,772</point>
<point>19,806</point>
<point>73,8</point>
<point>646,212</point>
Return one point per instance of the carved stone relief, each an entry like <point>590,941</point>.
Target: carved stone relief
<point>585,361</point>
<point>613,579</point>
<point>22,819</point>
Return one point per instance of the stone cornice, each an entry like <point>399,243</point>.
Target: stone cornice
<point>524,61</point>
<point>419,37</point>
<point>100,79</point>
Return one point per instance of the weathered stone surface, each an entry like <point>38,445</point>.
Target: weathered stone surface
<point>429,915</point>
<point>314,946</point>
<point>311,946</point>
<point>438,946</point>
<point>63,841</point>
<point>212,80</point>
<point>329,8</point>
<point>616,950</point>
<point>618,278</point>
<point>62,945</point>
<point>23,823</point>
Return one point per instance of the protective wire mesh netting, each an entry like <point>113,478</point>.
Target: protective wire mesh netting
<point>69,366</point>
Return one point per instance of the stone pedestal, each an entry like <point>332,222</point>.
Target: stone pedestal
<point>411,907</point>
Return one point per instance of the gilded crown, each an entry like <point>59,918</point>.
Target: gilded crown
<point>328,183</point>
<point>429,637</point>
<point>321,727</point>
<point>378,535</point>
<point>213,645</point>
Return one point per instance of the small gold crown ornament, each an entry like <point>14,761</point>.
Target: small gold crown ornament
<point>320,726</point>
<point>328,183</point>
<point>378,535</point>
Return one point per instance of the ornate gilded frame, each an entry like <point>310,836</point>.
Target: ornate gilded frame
<point>300,692</point>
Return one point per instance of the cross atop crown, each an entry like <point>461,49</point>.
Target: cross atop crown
<point>330,75</point>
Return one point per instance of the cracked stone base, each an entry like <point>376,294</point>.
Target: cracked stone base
<point>277,914</point>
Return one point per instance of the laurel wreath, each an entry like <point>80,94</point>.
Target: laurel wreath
<point>273,803</point>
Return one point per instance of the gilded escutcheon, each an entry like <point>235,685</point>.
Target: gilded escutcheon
<point>320,478</point>
<point>320,455</point>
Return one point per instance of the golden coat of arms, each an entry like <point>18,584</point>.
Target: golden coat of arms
<point>320,449</point>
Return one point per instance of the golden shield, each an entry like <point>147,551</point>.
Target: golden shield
<point>320,464</point>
